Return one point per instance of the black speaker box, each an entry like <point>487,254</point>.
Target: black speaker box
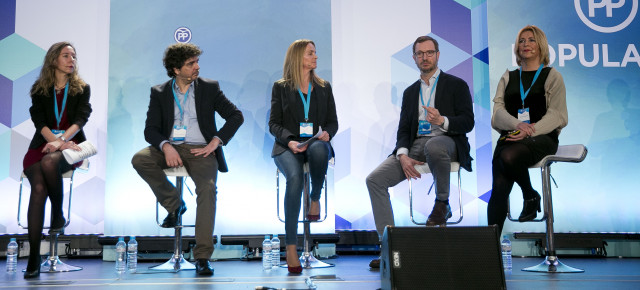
<point>441,258</point>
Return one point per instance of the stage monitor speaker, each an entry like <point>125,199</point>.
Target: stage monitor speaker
<point>441,258</point>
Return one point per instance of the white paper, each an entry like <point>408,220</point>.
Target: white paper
<point>73,156</point>
<point>316,136</point>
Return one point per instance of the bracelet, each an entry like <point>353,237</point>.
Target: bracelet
<point>63,139</point>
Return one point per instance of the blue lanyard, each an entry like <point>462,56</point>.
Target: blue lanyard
<point>430,92</point>
<point>184,102</point>
<point>523,94</point>
<point>306,102</point>
<point>64,104</point>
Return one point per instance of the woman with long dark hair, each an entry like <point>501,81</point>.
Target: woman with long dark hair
<point>60,108</point>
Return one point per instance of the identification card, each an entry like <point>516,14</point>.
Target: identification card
<point>306,129</point>
<point>424,127</point>
<point>523,115</point>
<point>58,133</point>
<point>179,132</point>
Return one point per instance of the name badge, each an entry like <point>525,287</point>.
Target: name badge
<point>179,132</point>
<point>58,133</point>
<point>306,129</point>
<point>523,115</point>
<point>424,127</point>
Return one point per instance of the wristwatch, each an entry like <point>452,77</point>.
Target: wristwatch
<point>63,139</point>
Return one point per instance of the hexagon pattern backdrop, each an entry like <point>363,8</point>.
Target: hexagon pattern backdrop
<point>24,40</point>
<point>372,84</point>
<point>365,51</point>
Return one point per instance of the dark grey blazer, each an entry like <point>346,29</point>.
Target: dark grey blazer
<point>453,100</point>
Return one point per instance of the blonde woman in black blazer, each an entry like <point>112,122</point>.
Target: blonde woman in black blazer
<point>301,104</point>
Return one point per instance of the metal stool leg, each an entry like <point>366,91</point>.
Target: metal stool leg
<point>551,263</point>
<point>177,261</point>
<point>307,260</point>
<point>53,264</point>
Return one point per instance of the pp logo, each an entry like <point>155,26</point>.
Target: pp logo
<point>182,35</point>
<point>611,7</point>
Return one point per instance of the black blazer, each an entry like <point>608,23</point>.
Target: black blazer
<point>209,100</point>
<point>453,100</point>
<point>285,117</point>
<point>78,110</point>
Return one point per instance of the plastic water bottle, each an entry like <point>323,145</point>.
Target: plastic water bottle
<point>266,253</point>
<point>132,255</point>
<point>12,256</point>
<point>275,251</point>
<point>506,253</point>
<point>121,259</point>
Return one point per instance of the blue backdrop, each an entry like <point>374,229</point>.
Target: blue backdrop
<point>244,44</point>
<point>596,51</point>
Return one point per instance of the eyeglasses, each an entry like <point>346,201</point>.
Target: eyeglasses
<point>422,54</point>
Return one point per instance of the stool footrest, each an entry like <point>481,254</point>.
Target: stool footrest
<point>308,261</point>
<point>174,264</point>
<point>552,264</point>
<point>54,265</point>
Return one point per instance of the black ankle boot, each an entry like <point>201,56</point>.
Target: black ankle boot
<point>529,208</point>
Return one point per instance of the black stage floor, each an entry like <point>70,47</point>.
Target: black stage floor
<point>351,272</point>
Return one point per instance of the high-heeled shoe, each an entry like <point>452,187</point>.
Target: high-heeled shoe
<point>57,225</point>
<point>28,274</point>
<point>529,208</point>
<point>295,269</point>
<point>292,255</point>
<point>32,274</point>
<point>314,217</point>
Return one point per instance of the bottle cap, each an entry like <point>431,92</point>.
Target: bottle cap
<point>12,240</point>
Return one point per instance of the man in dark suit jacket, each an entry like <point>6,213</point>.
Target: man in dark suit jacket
<point>432,129</point>
<point>182,131</point>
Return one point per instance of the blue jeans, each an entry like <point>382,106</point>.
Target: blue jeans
<point>291,166</point>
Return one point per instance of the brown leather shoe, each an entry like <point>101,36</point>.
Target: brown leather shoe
<point>440,214</point>
<point>375,263</point>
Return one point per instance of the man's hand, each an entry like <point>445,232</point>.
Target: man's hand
<point>433,116</point>
<point>407,164</point>
<point>209,149</point>
<point>171,155</point>
<point>293,145</point>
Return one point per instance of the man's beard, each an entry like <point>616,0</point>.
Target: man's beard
<point>429,69</point>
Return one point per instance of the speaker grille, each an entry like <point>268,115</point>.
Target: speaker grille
<point>441,258</point>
